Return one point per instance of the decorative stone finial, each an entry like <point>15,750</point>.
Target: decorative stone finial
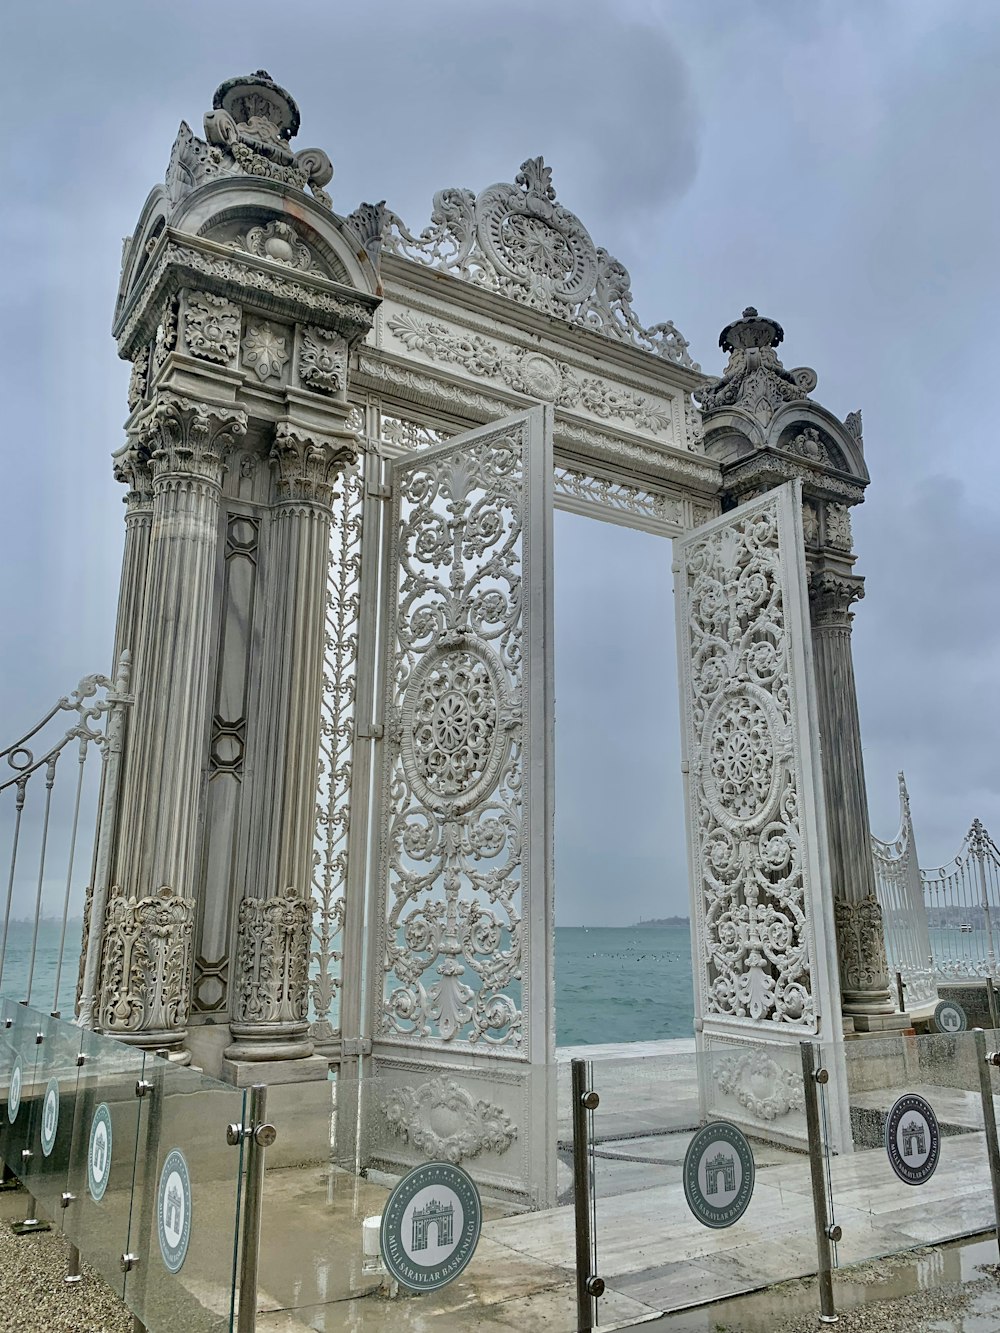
<point>755,379</point>
<point>752,330</point>
<point>248,132</point>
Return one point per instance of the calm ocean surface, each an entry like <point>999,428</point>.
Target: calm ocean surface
<point>613,984</point>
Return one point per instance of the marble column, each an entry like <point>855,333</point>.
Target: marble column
<point>146,964</point>
<point>864,973</point>
<point>270,1003</point>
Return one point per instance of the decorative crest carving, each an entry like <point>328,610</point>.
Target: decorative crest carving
<point>323,361</point>
<point>516,239</point>
<point>442,1120</point>
<point>212,327</point>
<point>281,242</point>
<point>248,132</point>
<point>755,379</point>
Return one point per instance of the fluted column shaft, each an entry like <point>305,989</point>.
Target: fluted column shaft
<point>158,836</point>
<point>864,972</point>
<point>270,1009</point>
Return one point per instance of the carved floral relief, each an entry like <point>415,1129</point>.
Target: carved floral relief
<point>212,327</point>
<point>265,349</point>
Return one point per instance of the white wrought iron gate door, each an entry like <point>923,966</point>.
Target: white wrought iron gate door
<point>461,1006</point>
<point>764,956</point>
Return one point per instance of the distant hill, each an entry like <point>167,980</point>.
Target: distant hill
<point>665,921</point>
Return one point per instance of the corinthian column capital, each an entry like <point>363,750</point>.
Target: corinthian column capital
<point>130,465</point>
<point>831,596</point>
<point>306,463</point>
<point>182,436</point>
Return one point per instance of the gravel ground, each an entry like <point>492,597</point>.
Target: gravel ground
<point>35,1299</point>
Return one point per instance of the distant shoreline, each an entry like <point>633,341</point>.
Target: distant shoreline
<point>665,921</point>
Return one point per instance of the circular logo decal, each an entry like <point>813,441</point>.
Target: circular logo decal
<point>950,1017</point>
<point>14,1094</point>
<point>718,1174</point>
<point>912,1139</point>
<point>173,1210</point>
<point>430,1226</point>
<point>99,1153</point>
<point>50,1116</point>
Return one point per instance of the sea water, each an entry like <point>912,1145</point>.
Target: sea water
<point>613,984</point>
<point>622,983</point>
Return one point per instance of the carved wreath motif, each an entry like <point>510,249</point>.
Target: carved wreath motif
<point>212,327</point>
<point>752,916</point>
<point>760,1084</point>
<point>453,782</point>
<point>441,1119</point>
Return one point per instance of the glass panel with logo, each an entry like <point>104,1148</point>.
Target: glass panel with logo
<point>102,1163</point>
<point>45,1172</point>
<point>25,1036</point>
<point>184,1231</point>
<point>914,1168</point>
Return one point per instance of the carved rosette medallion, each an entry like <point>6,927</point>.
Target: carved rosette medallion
<point>146,963</point>
<point>442,1120</point>
<point>212,327</point>
<point>265,349</point>
<point>453,781</point>
<point>453,739</point>
<point>751,911</point>
<point>273,953</point>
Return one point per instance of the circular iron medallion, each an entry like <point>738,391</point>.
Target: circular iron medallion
<point>912,1139</point>
<point>718,1174</point>
<point>430,1226</point>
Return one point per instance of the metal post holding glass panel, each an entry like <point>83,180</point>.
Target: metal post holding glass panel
<point>827,1232</point>
<point>588,1285</point>
<point>983,1062</point>
<point>258,1135</point>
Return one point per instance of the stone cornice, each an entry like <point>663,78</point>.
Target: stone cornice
<point>180,261</point>
<point>771,467</point>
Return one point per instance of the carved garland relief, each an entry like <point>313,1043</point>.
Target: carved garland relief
<point>753,932</point>
<point>453,780</point>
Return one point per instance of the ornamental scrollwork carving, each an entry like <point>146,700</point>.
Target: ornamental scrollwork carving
<point>760,1084</point>
<point>861,944</point>
<point>212,327</point>
<point>323,361</point>
<point>530,373</point>
<point>442,1120</point>
<point>518,240</point>
<point>138,380</point>
<point>838,527</point>
<point>453,782</point>
<point>751,911</point>
<point>273,959</point>
<point>146,963</point>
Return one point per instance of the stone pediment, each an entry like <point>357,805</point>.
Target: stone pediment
<point>519,241</point>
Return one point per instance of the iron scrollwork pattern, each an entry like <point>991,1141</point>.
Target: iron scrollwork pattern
<point>745,774</point>
<point>333,805</point>
<point>453,938</point>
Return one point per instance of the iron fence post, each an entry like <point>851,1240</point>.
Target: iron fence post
<point>984,1062</point>
<point>826,1231</point>
<point>588,1285</point>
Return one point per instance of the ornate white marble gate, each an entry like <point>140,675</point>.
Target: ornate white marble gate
<point>307,382</point>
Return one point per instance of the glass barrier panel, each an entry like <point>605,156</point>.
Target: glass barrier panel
<point>702,1171</point>
<point>56,1072</point>
<point>485,1253</point>
<point>21,1099</point>
<point>185,1217</point>
<point>912,1167</point>
<point>102,1162</point>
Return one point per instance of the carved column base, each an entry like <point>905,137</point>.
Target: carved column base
<point>864,971</point>
<point>145,971</point>
<point>271,1007</point>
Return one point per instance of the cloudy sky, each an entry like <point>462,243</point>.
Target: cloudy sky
<point>832,163</point>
